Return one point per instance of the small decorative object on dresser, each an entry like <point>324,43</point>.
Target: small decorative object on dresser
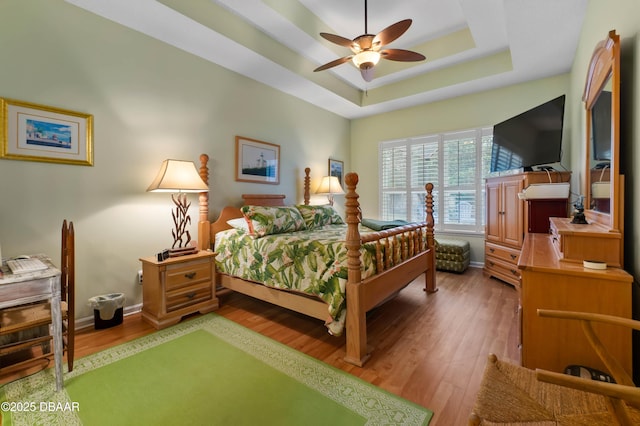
<point>177,287</point>
<point>179,177</point>
<point>578,215</point>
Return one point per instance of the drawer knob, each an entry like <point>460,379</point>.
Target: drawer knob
<point>514,272</point>
<point>492,250</point>
<point>190,275</point>
<point>190,295</point>
<point>514,257</point>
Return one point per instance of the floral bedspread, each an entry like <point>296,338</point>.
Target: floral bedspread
<point>309,261</point>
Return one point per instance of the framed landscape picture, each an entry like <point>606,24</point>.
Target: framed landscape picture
<point>257,161</point>
<point>40,133</point>
<point>336,168</point>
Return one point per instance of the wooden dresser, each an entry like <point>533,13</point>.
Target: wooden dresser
<point>508,221</point>
<point>550,281</point>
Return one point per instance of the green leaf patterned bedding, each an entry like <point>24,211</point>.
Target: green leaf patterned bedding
<point>309,261</point>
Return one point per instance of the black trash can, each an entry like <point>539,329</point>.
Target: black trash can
<point>107,310</point>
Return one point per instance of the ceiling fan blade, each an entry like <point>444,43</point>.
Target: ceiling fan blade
<point>402,55</point>
<point>339,40</point>
<point>333,63</point>
<point>367,73</point>
<point>392,32</point>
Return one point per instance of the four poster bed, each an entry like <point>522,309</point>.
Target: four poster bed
<point>344,270</point>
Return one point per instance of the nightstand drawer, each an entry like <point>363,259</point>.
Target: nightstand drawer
<point>187,296</point>
<point>186,275</point>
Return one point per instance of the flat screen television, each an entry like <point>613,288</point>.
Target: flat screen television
<point>532,138</point>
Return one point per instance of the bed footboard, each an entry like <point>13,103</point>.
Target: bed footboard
<point>402,254</point>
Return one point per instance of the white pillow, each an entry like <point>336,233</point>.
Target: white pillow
<point>239,223</point>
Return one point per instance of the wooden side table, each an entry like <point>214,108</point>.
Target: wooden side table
<point>177,287</point>
<point>20,289</point>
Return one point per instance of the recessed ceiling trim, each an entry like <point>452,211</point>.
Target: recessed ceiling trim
<point>541,36</point>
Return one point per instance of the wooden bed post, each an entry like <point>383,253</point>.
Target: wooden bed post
<point>430,277</point>
<point>307,186</point>
<point>356,327</point>
<point>204,236</point>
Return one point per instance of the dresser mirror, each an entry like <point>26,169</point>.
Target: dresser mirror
<point>602,103</point>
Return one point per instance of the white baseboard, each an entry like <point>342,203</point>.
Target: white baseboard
<point>87,322</point>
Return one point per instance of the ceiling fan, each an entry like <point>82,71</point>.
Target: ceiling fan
<point>367,48</point>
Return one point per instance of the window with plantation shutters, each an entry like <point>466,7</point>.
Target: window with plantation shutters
<point>456,163</point>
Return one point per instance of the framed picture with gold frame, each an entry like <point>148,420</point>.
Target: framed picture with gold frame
<point>33,132</point>
<point>257,161</point>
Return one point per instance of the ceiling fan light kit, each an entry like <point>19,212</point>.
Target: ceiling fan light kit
<point>366,59</point>
<point>367,48</point>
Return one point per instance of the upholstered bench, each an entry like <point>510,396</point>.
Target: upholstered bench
<point>452,255</point>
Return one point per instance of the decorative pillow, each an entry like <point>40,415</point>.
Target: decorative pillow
<point>317,216</point>
<point>239,223</point>
<point>272,220</point>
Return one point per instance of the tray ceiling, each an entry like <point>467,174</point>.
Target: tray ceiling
<point>470,45</point>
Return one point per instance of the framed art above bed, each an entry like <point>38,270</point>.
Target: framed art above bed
<point>257,161</point>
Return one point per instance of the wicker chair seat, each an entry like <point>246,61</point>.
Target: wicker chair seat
<point>511,395</point>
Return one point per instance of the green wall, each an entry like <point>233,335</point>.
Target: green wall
<point>150,102</point>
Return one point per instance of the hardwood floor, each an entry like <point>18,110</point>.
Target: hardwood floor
<point>429,349</point>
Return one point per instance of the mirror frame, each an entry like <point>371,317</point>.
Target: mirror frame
<point>605,67</point>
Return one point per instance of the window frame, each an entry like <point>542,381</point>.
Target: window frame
<point>482,139</point>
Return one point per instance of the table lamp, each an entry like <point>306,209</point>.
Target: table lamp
<point>329,185</point>
<point>179,177</point>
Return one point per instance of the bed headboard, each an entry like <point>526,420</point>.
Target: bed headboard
<point>263,199</point>
<point>208,230</point>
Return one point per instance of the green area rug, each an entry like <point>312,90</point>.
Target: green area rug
<point>206,371</point>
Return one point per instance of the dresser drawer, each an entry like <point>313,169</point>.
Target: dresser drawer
<point>187,296</point>
<point>556,239</point>
<point>179,276</point>
<point>506,271</point>
<point>506,254</point>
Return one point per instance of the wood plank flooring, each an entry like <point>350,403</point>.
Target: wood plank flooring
<point>429,349</point>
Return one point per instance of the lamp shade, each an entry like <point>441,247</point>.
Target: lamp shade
<point>329,185</point>
<point>178,176</point>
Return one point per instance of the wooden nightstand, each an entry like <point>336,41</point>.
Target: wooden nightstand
<point>177,287</point>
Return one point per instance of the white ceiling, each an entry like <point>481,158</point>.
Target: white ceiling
<point>470,45</point>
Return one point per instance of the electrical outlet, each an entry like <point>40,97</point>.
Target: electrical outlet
<point>140,276</point>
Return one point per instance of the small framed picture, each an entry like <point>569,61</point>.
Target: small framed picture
<point>34,132</point>
<point>257,161</point>
<point>336,168</point>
